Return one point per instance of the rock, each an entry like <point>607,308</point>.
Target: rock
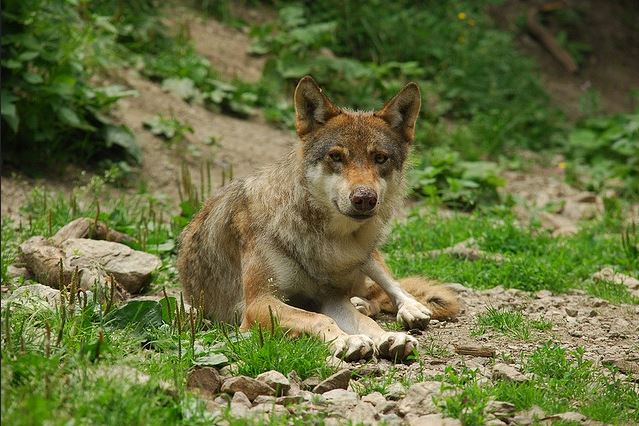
<point>338,380</point>
<point>626,367</point>
<point>269,410</point>
<point>250,387</point>
<point>419,399</point>
<point>47,294</point>
<point>374,398</point>
<point>335,362</point>
<point>395,391</point>
<point>569,416</point>
<point>94,260</point>
<point>132,269</point>
<point>435,419</point>
<point>391,419</point>
<point>289,400</point>
<point>608,274</point>
<point>296,383</point>
<point>363,413</point>
<point>386,407</point>
<point>340,396</point>
<point>204,380</point>
<point>571,312</point>
<point>500,409</point>
<point>88,228</point>
<point>507,372</point>
<point>529,417</point>
<point>265,399</point>
<point>15,271</point>
<point>311,382</point>
<point>276,380</point>
<point>543,294</point>
<point>240,405</point>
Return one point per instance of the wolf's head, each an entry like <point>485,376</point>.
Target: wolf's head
<point>354,161</point>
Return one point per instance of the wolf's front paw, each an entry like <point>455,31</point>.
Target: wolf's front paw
<point>353,347</point>
<point>396,346</point>
<point>414,315</point>
<point>362,305</point>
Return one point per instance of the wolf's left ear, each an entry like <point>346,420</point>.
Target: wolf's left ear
<point>312,107</point>
<point>401,112</point>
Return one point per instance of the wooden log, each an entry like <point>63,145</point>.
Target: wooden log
<point>482,351</point>
<point>549,42</point>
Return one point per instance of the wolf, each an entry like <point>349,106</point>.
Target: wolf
<point>298,241</point>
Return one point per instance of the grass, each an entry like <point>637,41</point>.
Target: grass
<point>611,291</point>
<point>263,350</point>
<point>533,259</point>
<point>561,381</point>
<point>510,323</point>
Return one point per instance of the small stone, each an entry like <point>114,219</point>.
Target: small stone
<point>543,294</point>
<point>569,416</point>
<point>386,407</point>
<point>626,367</point>
<point>435,419</point>
<point>250,387</point>
<point>240,405</point>
<point>269,410</point>
<point>340,396</point>
<point>395,391</point>
<point>295,381</point>
<point>311,382</point>
<point>507,372</point>
<point>338,380</point>
<point>14,271</point>
<point>529,417</point>
<point>572,312</point>
<point>500,409</point>
<point>419,399</point>
<point>374,398</point>
<point>390,419</point>
<point>363,413</point>
<point>265,399</point>
<point>276,380</point>
<point>204,380</point>
<point>289,400</point>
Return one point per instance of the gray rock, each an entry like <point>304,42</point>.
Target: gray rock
<point>529,417</point>
<point>204,380</point>
<point>507,372</point>
<point>374,398</point>
<point>276,380</point>
<point>265,399</point>
<point>250,387</point>
<point>363,413</point>
<point>395,391</point>
<point>240,405</point>
<point>435,419</point>
<point>340,396</point>
<point>419,399</point>
<point>338,380</point>
<point>571,312</point>
<point>268,410</point>
<point>569,416</point>
<point>38,291</point>
<point>132,269</point>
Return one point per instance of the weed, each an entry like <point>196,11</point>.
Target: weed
<point>370,384</point>
<point>469,398</point>
<point>262,350</point>
<point>434,349</point>
<point>507,322</point>
<point>611,291</point>
<point>169,128</point>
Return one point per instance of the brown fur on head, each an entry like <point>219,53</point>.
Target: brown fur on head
<point>353,159</point>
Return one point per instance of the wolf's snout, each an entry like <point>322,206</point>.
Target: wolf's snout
<point>363,199</point>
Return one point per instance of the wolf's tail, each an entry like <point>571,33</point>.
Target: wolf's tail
<point>441,300</point>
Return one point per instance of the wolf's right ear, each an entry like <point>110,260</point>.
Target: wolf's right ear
<point>402,110</point>
<point>312,107</point>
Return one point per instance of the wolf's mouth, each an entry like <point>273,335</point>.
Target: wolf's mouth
<point>356,216</point>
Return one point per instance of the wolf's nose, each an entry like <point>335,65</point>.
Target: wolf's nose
<point>363,199</point>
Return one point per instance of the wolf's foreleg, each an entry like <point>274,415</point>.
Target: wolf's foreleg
<point>409,311</point>
<point>389,344</point>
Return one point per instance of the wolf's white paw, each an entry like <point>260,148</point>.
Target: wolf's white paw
<point>414,315</point>
<point>395,346</point>
<point>353,347</point>
<point>362,305</point>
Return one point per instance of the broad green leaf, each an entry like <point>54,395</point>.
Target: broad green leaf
<point>32,78</point>
<point>121,136</point>
<point>140,314</point>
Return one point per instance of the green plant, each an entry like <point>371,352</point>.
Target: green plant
<point>442,176</point>
<point>605,153</point>
<point>262,350</point>
<point>468,399</point>
<point>503,321</point>
<point>50,109</point>
<point>169,128</point>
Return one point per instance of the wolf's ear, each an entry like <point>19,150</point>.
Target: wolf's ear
<point>312,107</point>
<point>401,112</point>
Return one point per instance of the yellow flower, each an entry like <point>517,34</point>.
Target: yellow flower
<point>471,22</point>
<point>562,165</point>
<point>461,16</point>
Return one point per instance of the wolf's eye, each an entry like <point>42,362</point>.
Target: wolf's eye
<point>380,158</point>
<point>336,156</point>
